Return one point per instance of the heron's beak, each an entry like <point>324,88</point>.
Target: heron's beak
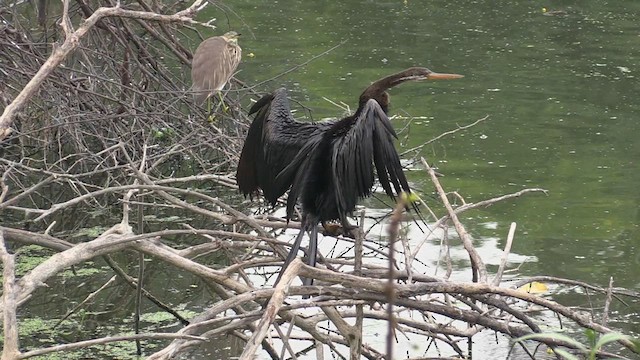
<point>439,76</point>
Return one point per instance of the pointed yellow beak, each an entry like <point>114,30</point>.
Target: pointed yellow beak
<point>439,76</point>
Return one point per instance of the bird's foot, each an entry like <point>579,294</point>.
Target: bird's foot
<point>332,228</point>
<point>335,229</point>
<point>352,232</point>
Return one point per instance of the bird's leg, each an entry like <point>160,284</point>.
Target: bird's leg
<point>225,108</point>
<point>312,252</point>
<point>212,116</point>
<point>233,106</point>
<point>221,104</point>
<point>348,229</point>
<point>294,250</point>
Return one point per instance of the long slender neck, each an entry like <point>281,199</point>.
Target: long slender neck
<point>377,90</point>
<point>392,80</point>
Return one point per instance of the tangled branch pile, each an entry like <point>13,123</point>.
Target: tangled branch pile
<point>111,136</point>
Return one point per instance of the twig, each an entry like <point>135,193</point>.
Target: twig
<point>285,339</point>
<point>3,186</point>
<point>37,276</point>
<point>390,290</point>
<point>71,42</point>
<point>300,65</point>
<point>479,270</point>
<point>271,310</point>
<point>358,248</point>
<point>132,282</point>
<point>11,348</point>
<point>446,133</point>
<point>607,303</point>
<point>89,297</point>
<point>554,279</point>
<point>469,206</point>
<point>489,202</point>
<point>505,255</point>
<point>106,340</point>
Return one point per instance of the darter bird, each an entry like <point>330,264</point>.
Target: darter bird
<point>329,165</point>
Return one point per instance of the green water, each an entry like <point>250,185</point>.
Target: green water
<point>560,92</point>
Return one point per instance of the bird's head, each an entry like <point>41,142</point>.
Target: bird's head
<point>231,37</point>
<point>377,90</point>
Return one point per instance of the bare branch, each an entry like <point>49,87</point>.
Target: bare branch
<point>106,340</point>
<point>71,43</point>
<point>478,268</point>
<point>505,255</point>
<point>10,349</point>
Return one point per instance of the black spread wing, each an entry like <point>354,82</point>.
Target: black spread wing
<point>301,169</point>
<point>335,170</point>
<point>273,141</point>
<point>368,143</point>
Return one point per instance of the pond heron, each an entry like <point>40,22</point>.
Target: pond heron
<point>214,62</point>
